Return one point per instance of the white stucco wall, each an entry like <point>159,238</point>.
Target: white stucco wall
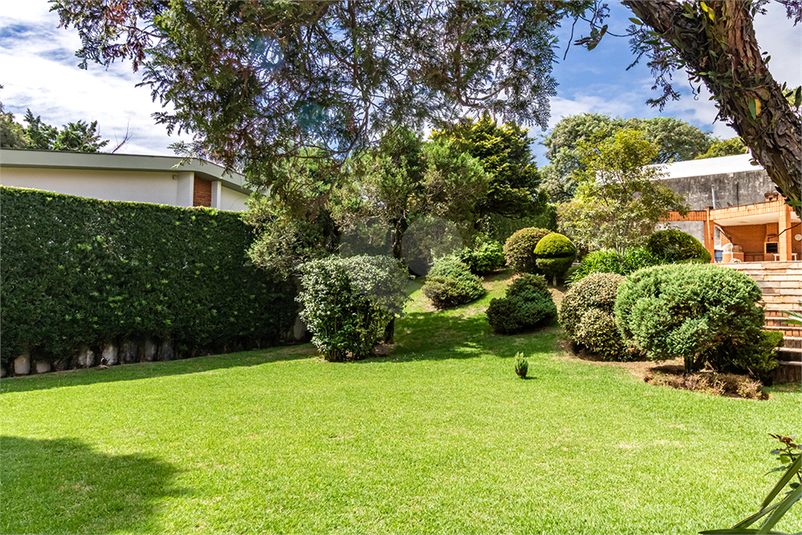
<point>232,200</point>
<point>151,187</point>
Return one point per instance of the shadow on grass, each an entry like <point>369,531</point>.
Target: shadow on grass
<point>147,370</point>
<point>63,486</point>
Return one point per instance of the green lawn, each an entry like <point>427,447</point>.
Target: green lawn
<point>440,437</point>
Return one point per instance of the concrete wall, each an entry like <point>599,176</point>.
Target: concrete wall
<point>732,189</point>
<point>175,188</point>
<point>232,200</point>
<point>694,228</point>
<point>152,187</point>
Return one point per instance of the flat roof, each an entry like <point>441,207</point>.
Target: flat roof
<point>710,166</point>
<point>50,159</point>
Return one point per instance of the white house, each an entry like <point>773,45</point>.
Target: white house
<point>125,177</point>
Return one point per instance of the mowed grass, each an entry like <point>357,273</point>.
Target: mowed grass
<point>440,437</point>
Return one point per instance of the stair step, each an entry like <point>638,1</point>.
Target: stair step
<point>789,354</point>
<point>792,342</point>
<point>787,330</point>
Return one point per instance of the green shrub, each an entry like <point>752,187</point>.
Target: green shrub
<point>519,249</point>
<point>451,283</point>
<point>690,311</point>
<point>607,261</point>
<point>348,302</point>
<point>526,304</point>
<point>555,253</point>
<point>757,359</point>
<point>521,365</point>
<point>485,258</point>
<point>676,246</point>
<point>85,272</point>
<point>586,314</point>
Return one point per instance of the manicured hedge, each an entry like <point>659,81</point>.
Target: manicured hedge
<point>85,273</point>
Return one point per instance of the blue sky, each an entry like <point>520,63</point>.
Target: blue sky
<point>39,71</point>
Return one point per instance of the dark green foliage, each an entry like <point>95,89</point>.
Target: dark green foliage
<point>519,249</point>
<point>81,272</point>
<point>690,311</point>
<point>526,304</point>
<point>451,283</point>
<point>587,315</point>
<point>554,254</point>
<point>348,302</point>
<point>673,245</point>
<point>521,365</point>
<point>607,261</point>
<point>485,258</point>
<point>756,359</point>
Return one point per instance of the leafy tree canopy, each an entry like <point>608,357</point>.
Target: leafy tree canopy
<point>676,141</point>
<point>76,137</point>
<point>504,152</point>
<point>253,80</point>
<point>727,147</point>
<point>620,198</point>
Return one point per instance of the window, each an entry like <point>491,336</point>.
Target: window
<point>772,247</point>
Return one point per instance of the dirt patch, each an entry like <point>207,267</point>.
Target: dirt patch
<point>671,374</point>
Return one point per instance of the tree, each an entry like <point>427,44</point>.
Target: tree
<point>715,43</point>
<point>620,199</point>
<point>505,154</point>
<point>404,179</point>
<point>12,134</point>
<point>676,140</point>
<point>727,147</point>
<point>255,80</point>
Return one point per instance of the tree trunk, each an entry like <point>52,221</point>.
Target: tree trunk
<point>722,50</point>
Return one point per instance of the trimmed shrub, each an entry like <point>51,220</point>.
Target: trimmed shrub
<point>451,283</point>
<point>555,253</point>
<point>85,273</point>
<point>348,303</point>
<point>692,311</point>
<point>519,249</point>
<point>756,359</point>
<point>587,315</point>
<point>607,261</point>
<point>527,304</point>
<point>521,365</point>
<point>677,247</point>
<point>485,258</point>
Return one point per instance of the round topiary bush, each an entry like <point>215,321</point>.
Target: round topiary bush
<point>519,249</point>
<point>526,305</point>
<point>451,283</point>
<point>676,246</point>
<point>555,253</point>
<point>586,314</point>
<point>485,258</point>
<point>692,311</point>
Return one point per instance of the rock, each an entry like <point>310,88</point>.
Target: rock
<point>22,364</point>
<point>128,352</point>
<point>42,366</point>
<point>86,358</point>
<point>110,354</point>
<point>148,351</point>
<point>166,350</point>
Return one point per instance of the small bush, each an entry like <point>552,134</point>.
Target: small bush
<point>677,247</point>
<point>756,359</point>
<point>485,258</point>
<point>555,253</point>
<point>519,250</point>
<point>587,316</point>
<point>527,304</point>
<point>607,261</point>
<point>348,303</point>
<point>451,283</point>
<point>521,365</point>
<point>690,311</point>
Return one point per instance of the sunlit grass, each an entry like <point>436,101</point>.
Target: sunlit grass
<point>439,437</point>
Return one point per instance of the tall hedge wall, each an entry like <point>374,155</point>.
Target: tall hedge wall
<point>84,273</point>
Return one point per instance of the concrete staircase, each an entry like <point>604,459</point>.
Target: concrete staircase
<point>781,283</point>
